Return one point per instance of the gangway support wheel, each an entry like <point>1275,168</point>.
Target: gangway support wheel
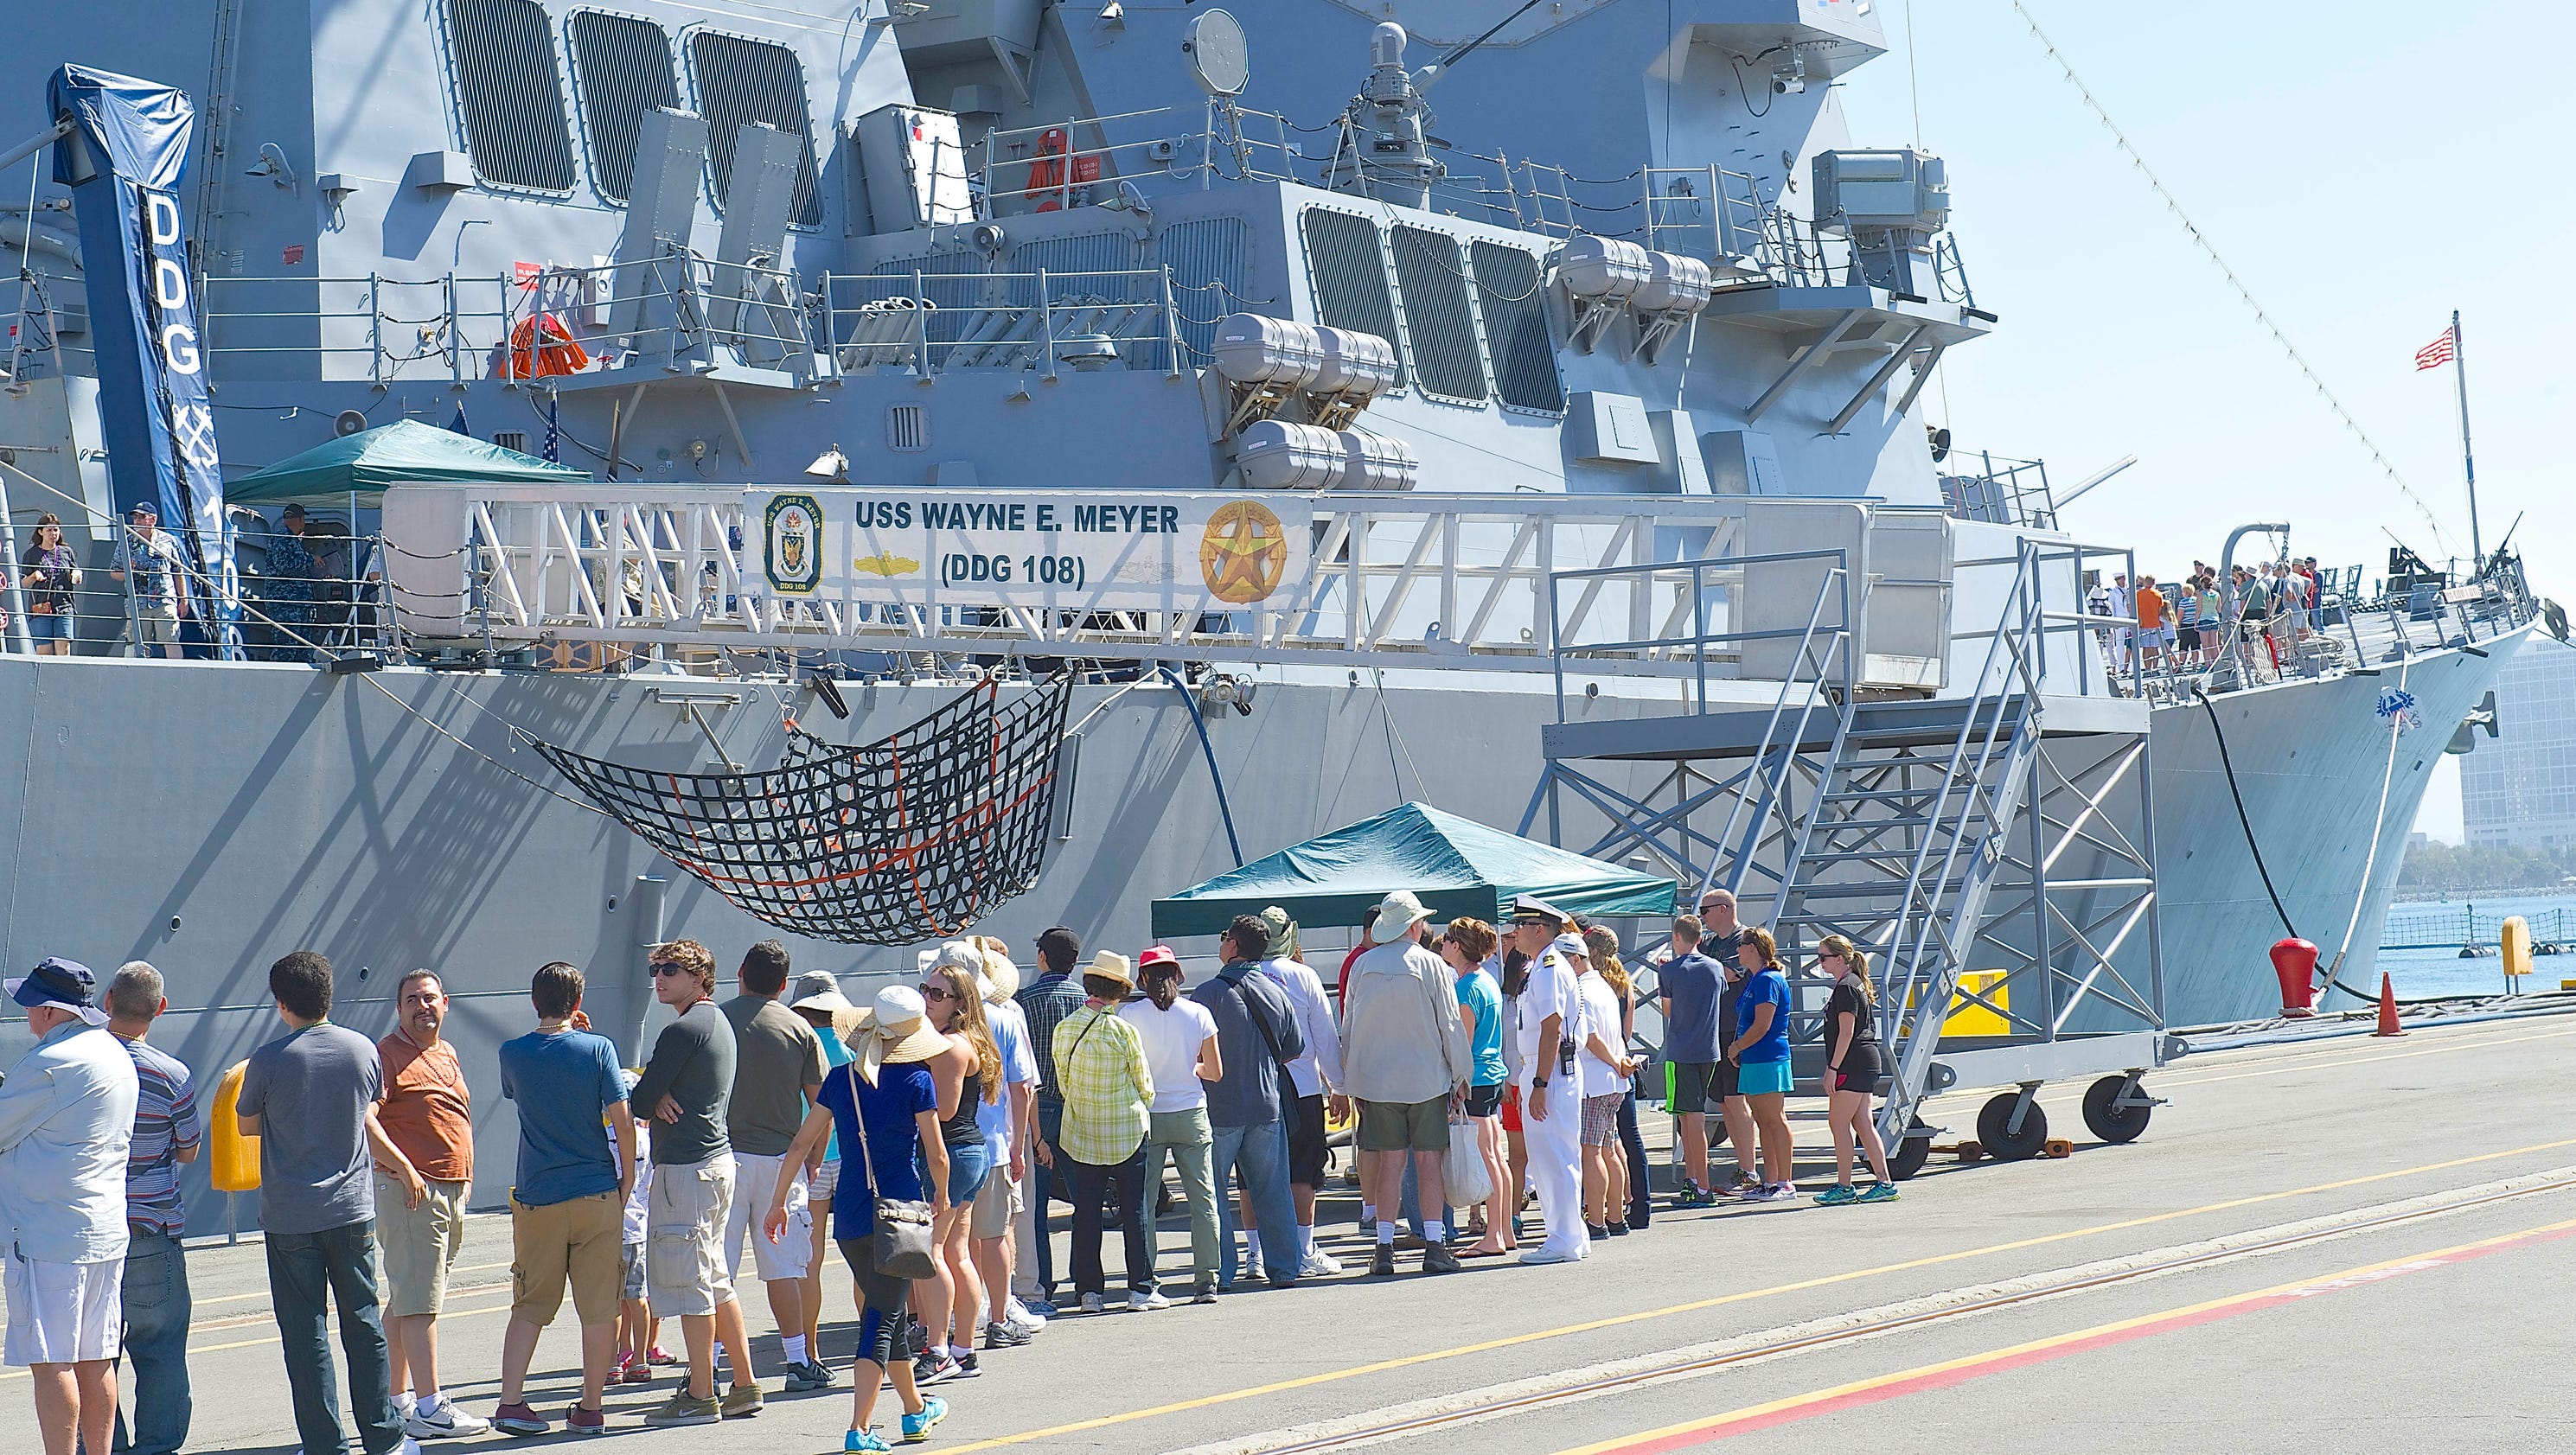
<point>2112,1110</point>
<point>1908,1155</point>
<point>2001,1139</point>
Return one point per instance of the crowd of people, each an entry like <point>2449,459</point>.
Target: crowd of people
<point>2186,625</point>
<point>307,584</point>
<point>924,1136</point>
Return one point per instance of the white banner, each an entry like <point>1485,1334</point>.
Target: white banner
<point>1070,549</point>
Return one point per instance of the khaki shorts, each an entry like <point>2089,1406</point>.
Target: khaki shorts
<point>999,1201</point>
<point>1400,1126</point>
<point>684,1264</point>
<point>419,1244</point>
<point>575,1241</point>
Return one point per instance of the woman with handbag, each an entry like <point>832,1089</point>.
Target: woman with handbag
<point>968,1075</point>
<point>1466,946</point>
<point>885,1108</point>
<point>49,574</point>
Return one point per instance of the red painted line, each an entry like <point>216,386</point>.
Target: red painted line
<point>1958,1372</point>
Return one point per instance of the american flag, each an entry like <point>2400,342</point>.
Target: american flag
<point>554,436</point>
<point>2437,353</point>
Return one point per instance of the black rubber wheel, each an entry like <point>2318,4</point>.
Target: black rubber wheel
<point>2109,1120</point>
<point>2005,1146</point>
<point>1908,1155</point>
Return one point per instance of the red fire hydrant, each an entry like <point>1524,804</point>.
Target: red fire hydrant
<point>2295,961</point>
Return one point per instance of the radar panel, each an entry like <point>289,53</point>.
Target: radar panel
<point>1441,318</point>
<point>741,80</point>
<point>621,70</point>
<point>912,837</point>
<point>510,94</point>
<point>1516,338</point>
<point>1348,272</point>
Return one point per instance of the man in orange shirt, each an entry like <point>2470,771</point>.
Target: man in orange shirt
<point>2153,634</point>
<point>420,1206</point>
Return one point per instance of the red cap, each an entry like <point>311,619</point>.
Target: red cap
<point>1156,955</point>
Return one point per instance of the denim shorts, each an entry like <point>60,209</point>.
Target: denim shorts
<point>48,627</point>
<point>967,1168</point>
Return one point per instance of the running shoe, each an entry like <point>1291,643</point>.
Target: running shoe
<point>579,1421</point>
<point>743,1400</point>
<point>659,1355</point>
<point>635,1371</point>
<point>1693,1195</point>
<point>1878,1192</point>
<point>1028,1319</point>
<point>1550,1255</point>
<point>1382,1263</point>
<point>1780,1192</point>
<point>446,1422</point>
<point>1837,1195</point>
<point>1318,1264</point>
<point>933,1367</point>
<point>810,1375</point>
<point>1091,1303</point>
<point>684,1409</point>
<point>519,1419</point>
<point>1145,1300</point>
<point>967,1368</point>
<point>1752,1190</point>
<point>1003,1336</point>
<point>916,1428</point>
<point>863,1442</point>
<point>1252,1267</point>
<point>1204,1293</point>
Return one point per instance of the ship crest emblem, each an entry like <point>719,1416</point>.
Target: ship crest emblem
<point>792,530</point>
<point>1244,552</point>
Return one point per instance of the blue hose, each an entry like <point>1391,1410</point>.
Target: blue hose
<point>1190,700</point>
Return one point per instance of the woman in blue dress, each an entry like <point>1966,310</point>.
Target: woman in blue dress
<point>886,1089</point>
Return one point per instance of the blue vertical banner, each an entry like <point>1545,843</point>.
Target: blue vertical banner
<point>123,161</point>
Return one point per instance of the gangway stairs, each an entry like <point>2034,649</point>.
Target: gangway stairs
<point>1991,849</point>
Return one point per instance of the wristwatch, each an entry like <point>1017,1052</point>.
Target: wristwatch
<point>1538,1083</point>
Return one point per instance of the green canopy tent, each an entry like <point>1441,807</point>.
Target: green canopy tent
<point>357,468</point>
<point>1457,866</point>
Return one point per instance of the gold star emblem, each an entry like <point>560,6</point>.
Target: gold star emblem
<point>1243,552</point>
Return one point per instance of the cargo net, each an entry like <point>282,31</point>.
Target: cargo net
<point>908,838</point>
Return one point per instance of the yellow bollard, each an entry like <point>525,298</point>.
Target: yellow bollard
<point>2513,944</point>
<point>235,1159</point>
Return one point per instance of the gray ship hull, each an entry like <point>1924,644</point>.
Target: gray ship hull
<point>211,819</point>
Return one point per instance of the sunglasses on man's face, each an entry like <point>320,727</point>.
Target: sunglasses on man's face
<point>662,970</point>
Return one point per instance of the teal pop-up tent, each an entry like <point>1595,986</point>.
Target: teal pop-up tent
<point>1457,866</point>
<point>406,452</point>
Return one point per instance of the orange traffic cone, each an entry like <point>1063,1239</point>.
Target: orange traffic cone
<point>2387,1009</point>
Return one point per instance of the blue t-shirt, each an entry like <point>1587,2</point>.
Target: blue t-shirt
<point>888,1109</point>
<point>1694,984</point>
<point>1771,988</point>
<point>563,1083</point>
<point>836,1054</point>
<point>1478,992</point>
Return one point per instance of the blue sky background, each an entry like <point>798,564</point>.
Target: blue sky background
<point>2366,168</point>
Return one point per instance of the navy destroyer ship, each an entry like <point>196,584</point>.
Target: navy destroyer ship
<point>1350,392</point>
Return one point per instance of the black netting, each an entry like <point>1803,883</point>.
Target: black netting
<point>912,837</point>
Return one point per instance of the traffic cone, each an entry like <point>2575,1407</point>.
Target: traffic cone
<point>2387,1008</point>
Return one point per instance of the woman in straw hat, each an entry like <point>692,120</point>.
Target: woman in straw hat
<point>816,995</point>
<point>884,1107</point>
<point>969,1077</point>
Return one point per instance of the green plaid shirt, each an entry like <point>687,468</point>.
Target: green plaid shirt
<point>1100,1069</point>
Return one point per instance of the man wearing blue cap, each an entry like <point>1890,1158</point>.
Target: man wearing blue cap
<point>66,1125</point>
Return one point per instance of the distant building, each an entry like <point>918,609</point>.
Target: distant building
<point>2416,841</point>
<point>2520,788</point>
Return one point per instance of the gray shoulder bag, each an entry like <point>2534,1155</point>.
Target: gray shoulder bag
<point>901,1236</point>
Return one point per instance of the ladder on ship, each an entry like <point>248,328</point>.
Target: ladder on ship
<point>1991,849</point>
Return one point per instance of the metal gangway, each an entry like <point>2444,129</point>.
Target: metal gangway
<point>1992,848</point>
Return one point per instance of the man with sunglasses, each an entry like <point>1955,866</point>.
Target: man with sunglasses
<point>685,1092</point>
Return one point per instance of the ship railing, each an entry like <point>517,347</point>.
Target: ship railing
<point>2059,639</point>
<point>1981,486</point>
<point>508,325</point>
<point>1390,582</point>
<point>1041,320</point>
<point>1704,212</point>
<point>49,324</point>
<point>1061,165</point>
<point>335,607</point>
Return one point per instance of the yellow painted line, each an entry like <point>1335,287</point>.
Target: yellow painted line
<point>1709,1428</point>
<point>1434,1356</point>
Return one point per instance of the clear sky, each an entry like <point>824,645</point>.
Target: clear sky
<point>2365,168</point>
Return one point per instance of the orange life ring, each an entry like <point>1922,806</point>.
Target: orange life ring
<point>560,353</point>
<point>1047,172</point>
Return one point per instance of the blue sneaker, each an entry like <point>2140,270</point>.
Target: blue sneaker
<point>1043,1308</point>
<point>1836,1195</point>
<point>916,1428</point>
<point>1878,1192</point>
<point>863,1442</point>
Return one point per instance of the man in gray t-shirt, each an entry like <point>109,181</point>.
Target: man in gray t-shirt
<point>684,1092</point>
<point>310,1097</point>
<point>777,1069</point>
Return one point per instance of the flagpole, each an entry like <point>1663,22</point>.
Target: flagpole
<point>2468,461</point>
